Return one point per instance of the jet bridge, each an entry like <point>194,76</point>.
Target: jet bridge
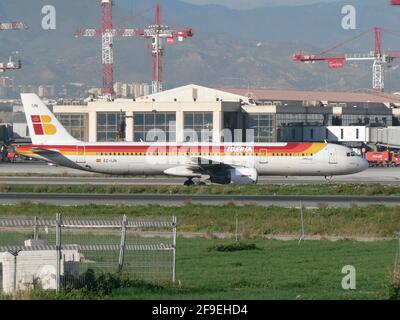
<point>387,137</point>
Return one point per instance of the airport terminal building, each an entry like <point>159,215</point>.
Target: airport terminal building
<point>185,113</point>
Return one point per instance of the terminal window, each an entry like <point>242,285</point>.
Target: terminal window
<point>198,126</point>
<point>366,119</point>
<point>75,124</point>
<point>109,125</point>
<point>154,126</point>
<point>263,126</point>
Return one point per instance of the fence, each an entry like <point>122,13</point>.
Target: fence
<point>60,251</point>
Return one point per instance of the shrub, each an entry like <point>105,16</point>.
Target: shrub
<point>237,246</point>
<point>40,189</point>
<point>112,189</point>
<point>87,188</point>
<point>4,188</point>
<point>90,285</point>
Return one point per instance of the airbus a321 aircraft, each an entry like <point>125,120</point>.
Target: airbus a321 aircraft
<point>225,163</point>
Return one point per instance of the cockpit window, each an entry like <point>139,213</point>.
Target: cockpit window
<point>351,154</point>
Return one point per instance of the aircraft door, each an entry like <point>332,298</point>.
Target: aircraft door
<point>332,154</point>
<point>80,154</point>
<point>263,156</point>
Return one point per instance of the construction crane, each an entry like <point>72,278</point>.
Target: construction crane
<point>156,32</point>
<point>11,65</point>
<point>107,33</point>
<point>379,58</point>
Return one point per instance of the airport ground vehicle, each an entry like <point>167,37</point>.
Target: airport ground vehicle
<point>8,154</point>
<point>383,159</point>
<point>12,156</point>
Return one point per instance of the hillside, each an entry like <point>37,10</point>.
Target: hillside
<point>223,52</point>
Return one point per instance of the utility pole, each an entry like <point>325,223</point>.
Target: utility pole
<point>15,254</point>
<point>58,252</point>
<point>122,244</point>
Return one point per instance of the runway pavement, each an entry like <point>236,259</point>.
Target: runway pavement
<point>53,175</point>
<point>178,200</point>
<point>67,176</point>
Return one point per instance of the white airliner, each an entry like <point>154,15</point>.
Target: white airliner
<point>225,163</point>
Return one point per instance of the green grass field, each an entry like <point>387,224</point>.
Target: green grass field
<point>276,269</point>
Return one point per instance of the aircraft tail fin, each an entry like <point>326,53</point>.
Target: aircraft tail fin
<point>44,127</point>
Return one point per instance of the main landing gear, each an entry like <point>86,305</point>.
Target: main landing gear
<point>190,182</point>
<point>328,179</point>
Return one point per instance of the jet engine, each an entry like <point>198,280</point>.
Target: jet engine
<point>237,176</point>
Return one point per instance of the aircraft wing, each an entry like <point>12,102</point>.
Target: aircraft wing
<point>207,166</point>
<point>198,167</point>
<point>54,156</point>
<point>45,152</point>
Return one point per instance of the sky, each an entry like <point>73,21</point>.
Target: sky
<point>249,4</point>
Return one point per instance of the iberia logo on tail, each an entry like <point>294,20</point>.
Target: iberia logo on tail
<point>42,125</point>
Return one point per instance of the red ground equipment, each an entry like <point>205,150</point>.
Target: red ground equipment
<point>11,156</point>
<point>383,159</point>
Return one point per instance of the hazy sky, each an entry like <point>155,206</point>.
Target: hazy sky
<point>247,4</point>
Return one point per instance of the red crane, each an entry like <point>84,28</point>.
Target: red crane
<point>10,65</point>
<point>378,57</point>
<point>155,32</point>
<point>107,33</point>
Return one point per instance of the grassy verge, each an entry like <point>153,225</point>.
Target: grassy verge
<point>278,270</point>
<point>254,221</point>
<point>321,189</point>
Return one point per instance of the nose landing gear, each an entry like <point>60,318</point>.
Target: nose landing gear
<point>328,179</point>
